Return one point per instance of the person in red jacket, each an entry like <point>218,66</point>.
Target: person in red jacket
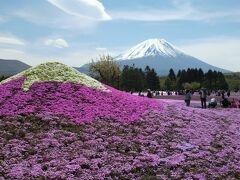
<point>234,104</point>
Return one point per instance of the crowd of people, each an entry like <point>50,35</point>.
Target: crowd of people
<point>224,102</point>
<point>222,98</point>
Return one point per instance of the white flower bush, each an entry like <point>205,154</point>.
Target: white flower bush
<point>55,71</point>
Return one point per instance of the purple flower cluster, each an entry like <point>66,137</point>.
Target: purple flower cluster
<point>177,143</point>
<point>71,100</point>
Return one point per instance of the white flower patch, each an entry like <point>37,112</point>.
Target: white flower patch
<point>55,71</point>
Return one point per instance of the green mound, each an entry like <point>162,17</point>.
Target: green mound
<point>55,71</point>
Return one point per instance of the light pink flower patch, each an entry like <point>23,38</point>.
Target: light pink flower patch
<point>176,159</point>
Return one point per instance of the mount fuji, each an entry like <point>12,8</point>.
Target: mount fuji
<point>151,48</point>
<point>160,55</point>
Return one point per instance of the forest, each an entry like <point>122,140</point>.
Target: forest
<point>131,78</point>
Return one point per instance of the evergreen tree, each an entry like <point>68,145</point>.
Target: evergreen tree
<point>212,80</point>
<point>200,76</point>
<point>152,80</point>
<point>208,80</point>
<point>179,74</point>
<point>221,82</point>
<point>125,80</point>
<point>181,80</point>
<point>172,75</point>
<point>171,82</point>
<point>132,79</point>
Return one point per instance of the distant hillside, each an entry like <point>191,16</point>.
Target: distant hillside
<point>83,69</point>
<point>11,67</point>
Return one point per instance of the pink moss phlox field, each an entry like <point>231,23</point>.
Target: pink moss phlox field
<point>74,101</point>
<point>38,141</point>
<point>177,143</point>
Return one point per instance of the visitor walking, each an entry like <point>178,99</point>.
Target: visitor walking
<point>149,94</point>
<point>140,93</point>
<point>188,97</point>
<point>228,93</point>
<point>203,97</point>
<point>223,94</point>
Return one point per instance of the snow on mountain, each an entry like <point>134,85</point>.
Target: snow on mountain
<point>160,55</point>
<point>151,47</point>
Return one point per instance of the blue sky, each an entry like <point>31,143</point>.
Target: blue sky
<point>76,31</point>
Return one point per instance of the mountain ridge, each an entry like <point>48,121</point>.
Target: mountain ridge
<point>160,55</point>
<point>12,67</point>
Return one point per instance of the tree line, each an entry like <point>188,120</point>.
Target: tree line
<point>233,81</point>
<point>195,79</point>
<point>136,79</point>
<point>131,78</point>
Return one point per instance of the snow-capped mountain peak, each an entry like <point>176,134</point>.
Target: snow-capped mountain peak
<point>151,47</point>
<point>160,55</point>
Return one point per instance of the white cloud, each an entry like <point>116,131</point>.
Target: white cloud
<point>168,15</point>
<point>177,11</point>
<point>180,10</point>
<point>83,15</point>
<point>6,39</point>
<point>150,15</point>
<point>58,43</point>
<point>222,51</point>
<point>82,8</point>
<point>8,51</point>
<point>38,52</point>
<point>61,21</point>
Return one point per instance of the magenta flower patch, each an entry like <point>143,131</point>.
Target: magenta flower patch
<point>74,101</point>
